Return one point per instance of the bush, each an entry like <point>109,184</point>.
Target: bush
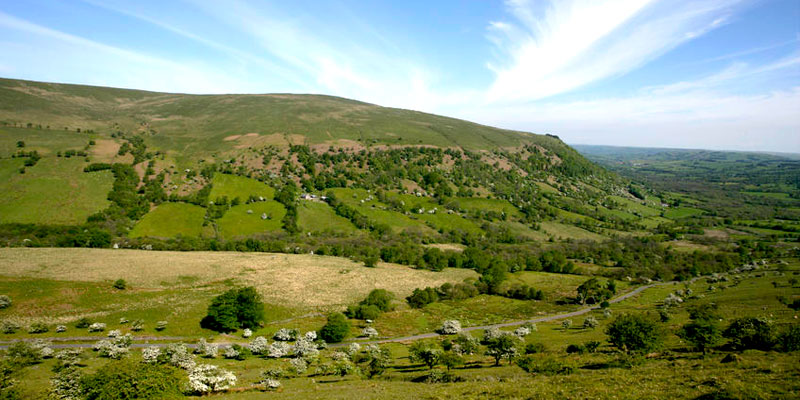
<point>702,333</point>
<point>38,327</point>
<point>132,380</point>
<point>161,325</point>
<point>5,301</point>
<point>502,347</point>
<point>465,344</point>
<point>450,327</point>
<point>789,340</point>
<point>425,353</point>
<point>590,322</point>
<point>82,323</point>
<point>751,333</point>
<point>23,354</point>
<point>546,366</point>
<point>369,332</point>
<point>286,335</point>
<point>9,327</point>
<point>97,327</point>
<point>234,309</point>
<point>120,284</point>
<point>576,348</point>
<point>634,333</point>
<point>422,297</point>
<point>207,378</point>
<point>335,329</point>
<point>363,312</point>
<point>534,348</point>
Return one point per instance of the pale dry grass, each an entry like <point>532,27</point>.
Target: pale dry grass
<point>299,280</point>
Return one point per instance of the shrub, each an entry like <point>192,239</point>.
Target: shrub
<point>97,327</point>
<point>378,359</point>
<point>9,327</point>
<point>66,384</point>
<point>5,301</point>
<point>335,329</point>
<point>702,333</point>
<point>130,380</point>
<point>207,378</point>
<point>422,297</point>
<point>177,355</point>
<point>38,327</point>
<point>465,344</point>
<point>286,335</point>
<point>205,349</point>
<point>231,353</point>
<point>247,333</point>
<point>576,348</point>
<point>751,333</point>
<point>305,349</point>
<point>150,354</point>
<point>534,348</point>
<point>450,327</point>
<point>566,324</point>
<point>161,325</point>
<point>590,322</point>
<point>82,323</point>
<point>259,345</point>
<point>380,298</point>
<point>23,353</point>
<point>789,340</point>
<point>278,349</point>
<point>634,333</point>
<point>298,366</point>
<point>120,284</point>
<point>61,328</point>
<point>137,325</point>
<point>363,312</point>
<point>369,332</point>
<point>234,309</point>
<point>546,366</point>
<point>115,348</point>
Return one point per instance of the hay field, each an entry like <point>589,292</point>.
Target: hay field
<point>303,280</point>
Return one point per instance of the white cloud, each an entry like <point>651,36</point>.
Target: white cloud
<point>703,113</point>
<point>567,44</point>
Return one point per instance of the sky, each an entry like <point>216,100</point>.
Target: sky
<point>712,74</point>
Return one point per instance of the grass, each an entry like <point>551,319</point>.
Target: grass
<point>54,191</point>
<point>672,372</point>
<point>378,212</point>
<point>309,282</point>
<point>682,212</point>
<point>563,231</point>
<point>169,220</point>
<point>635,207</point>
<point>315,216</point>
<point>233,186</point>
<point>480,204</point>
<point>238,222</point>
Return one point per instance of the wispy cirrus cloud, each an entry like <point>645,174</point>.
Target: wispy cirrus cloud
<point>556,46</point>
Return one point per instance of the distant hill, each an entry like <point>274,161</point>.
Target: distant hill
<point>196,122</point>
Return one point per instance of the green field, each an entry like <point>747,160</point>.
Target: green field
<point>315,216</point>
<point>169,220</point>
<point>54,191</point>
<point>682,212</point>
<point>232,186</point>
<point>245,219</point>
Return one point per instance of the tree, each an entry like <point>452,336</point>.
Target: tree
<point>634,333</point>
<point>751,333</point>
<point>335,329</point>
<point>235,309</point>
<point>503,346</point>
<point>451,359</point>
<point>595,291</point>
<point>701,333</point>
<point>425,353</point>
<point>120,284</point>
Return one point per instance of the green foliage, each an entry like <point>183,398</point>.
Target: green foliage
<point>592,291</point>
<point>451,359</point>
<point>635,333</point>
<point>235,309</point>
<point>546,366</point>
<point>751,333</point>
<point>23,354</point>
<point>335,329</point>
<point>789,339</point>
<point>422,297</point>
<point>376,302</point>
<point>702,333</point>
<point>8,385</point>
<point>502,347</point>
<point>425,353</point>
<point>132,380</point>
<point>534,348</point>
<point>120,284</point>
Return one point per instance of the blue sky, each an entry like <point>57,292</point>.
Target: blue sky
<point>717,74</point>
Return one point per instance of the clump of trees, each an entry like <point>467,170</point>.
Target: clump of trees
<point>635,333</point>
<point>235,309</point>
<point>376,302</point>
<point>335,329</point>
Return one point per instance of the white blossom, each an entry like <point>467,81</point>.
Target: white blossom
<point>230,353</point>
<point>298,365</point>
<point>369,332</point>
<point>247,333</point>
<point>278,349</point>
<point>339,356</point>
<point>207,378</point>
<point>522,332</point>
<point>178,355</point>
<point>353,349</point>
<point>259,345</point>
<point>305,348</point>
<point>205,349</point>
<point>61,328</point>
<point>114,333</point>
<point>310,336</point>
<point>285,335</point>
<point>450,327</point>
<point>97,327</point>
<point>150,354</point>
<point>271,384</point>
